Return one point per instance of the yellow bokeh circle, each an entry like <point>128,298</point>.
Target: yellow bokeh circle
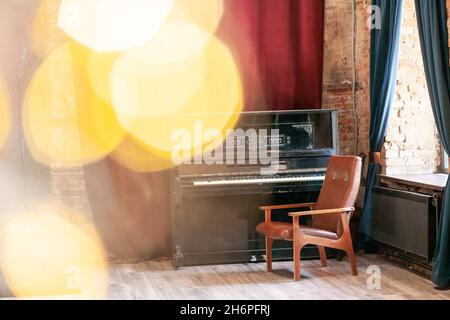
<point>176,42</point>
<point>46,36</point>
<point>205,14</point>
<point>137,157</point>
<point>65,122</point>
<point>48,250</point>
<point>161,78</point>
<point>145,115</point>
<point>99,71</point>
<point>112,25</point>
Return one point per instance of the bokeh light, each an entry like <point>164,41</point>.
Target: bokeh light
<point>48,250</point>
<point>205,14</point>
<point>137,157</point>
<point>46,36</point>
<point>65,122</point>
<point>219,92</point>
<point>99,68</point>
<point>5,114</point>
<point>141,69</point>
<point>160,78</point>
<point>176,42</point>
<point>112,25</point>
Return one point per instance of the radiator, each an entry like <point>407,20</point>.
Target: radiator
<point>405,220</point>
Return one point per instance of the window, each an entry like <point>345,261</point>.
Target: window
<point>444,160</point>
<point>412,142</point>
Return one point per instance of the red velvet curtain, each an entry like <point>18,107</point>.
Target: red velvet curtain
<point>278,45</point>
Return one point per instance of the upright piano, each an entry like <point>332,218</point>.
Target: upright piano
<point>215,206</point>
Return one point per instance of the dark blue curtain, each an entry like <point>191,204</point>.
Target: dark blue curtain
<point>432,22</point>
<point>383,78</point>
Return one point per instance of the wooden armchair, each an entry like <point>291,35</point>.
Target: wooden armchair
<point>331,216</point>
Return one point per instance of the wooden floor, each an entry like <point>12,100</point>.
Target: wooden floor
<point>158,280</point>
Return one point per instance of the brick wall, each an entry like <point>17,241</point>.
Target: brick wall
<point>412,142</point>
<point>338,71</point>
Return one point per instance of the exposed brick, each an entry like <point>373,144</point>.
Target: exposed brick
<point>338,77</point>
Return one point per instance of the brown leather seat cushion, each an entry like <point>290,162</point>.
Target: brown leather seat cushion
<point>284,231</point>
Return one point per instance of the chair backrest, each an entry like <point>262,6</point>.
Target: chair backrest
<point>340,190</point>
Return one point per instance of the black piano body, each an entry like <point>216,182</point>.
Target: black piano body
<point>215,207</point>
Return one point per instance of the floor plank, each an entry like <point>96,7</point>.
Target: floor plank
<point>157,280</point>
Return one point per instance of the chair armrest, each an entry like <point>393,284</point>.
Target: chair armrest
<point>321,212</point>
<point>288,206</point>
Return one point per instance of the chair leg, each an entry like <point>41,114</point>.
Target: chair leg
<point>352,258</point>
<point>297,250</point>
<point>297,247</point>
<point>323,256</point>
<point>269,254</point>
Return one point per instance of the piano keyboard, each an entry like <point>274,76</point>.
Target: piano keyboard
<point>259,180</point>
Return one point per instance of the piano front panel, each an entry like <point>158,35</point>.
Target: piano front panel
<point>222,229</point>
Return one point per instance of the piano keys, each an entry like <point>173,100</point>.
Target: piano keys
<point>252,180</point>
<point>215,207</point>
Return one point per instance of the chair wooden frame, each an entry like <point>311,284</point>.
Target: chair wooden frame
<point>344,242</point>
